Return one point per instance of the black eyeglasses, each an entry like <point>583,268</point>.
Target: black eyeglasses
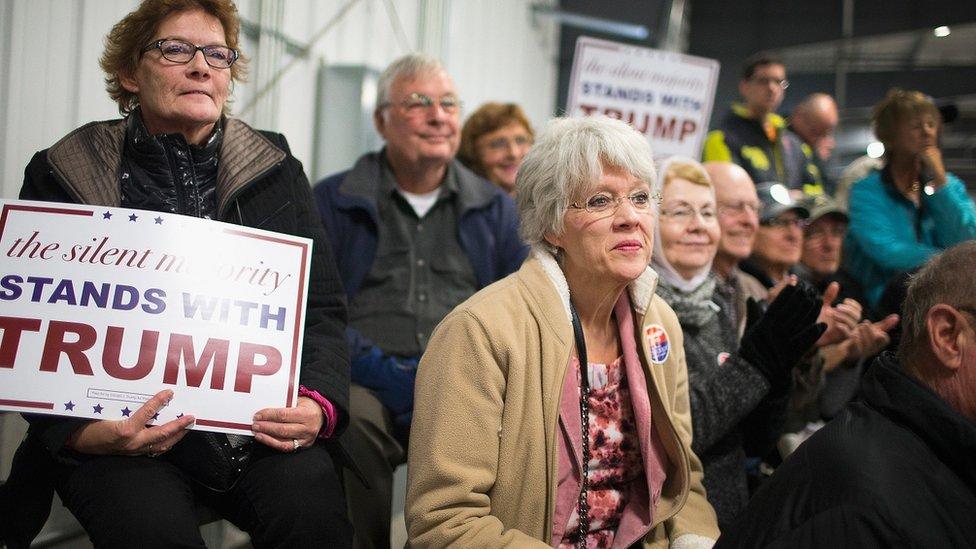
<point>178,51</point>
<point>765,81</point>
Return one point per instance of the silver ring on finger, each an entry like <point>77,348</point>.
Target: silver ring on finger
<point>296,446</point>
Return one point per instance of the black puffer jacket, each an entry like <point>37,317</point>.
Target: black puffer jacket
<point>897,469</point>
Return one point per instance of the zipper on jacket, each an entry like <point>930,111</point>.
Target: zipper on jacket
<point>232,197</point>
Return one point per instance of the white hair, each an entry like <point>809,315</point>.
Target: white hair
<point>568,161</point>
<point>408,66</point>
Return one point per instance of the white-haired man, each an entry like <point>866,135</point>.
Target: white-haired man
<point>898,467</point>
<point>414,234</point>
<point>738,209</point>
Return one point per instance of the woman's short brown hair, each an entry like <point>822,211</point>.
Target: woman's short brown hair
<point>124,43</point>
<point>488,118</point>
<point>897,107</point>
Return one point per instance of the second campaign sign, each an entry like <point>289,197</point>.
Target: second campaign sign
<point>101,308</point>
<point>666,96</point>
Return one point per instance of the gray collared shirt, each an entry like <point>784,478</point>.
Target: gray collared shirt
<point>420,272</point>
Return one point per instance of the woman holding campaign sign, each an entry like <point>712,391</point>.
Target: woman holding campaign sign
<point>170,65</point>
<point>552,407</point>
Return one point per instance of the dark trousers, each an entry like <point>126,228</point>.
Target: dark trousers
<point>377,448</point>
<point>281,500</point>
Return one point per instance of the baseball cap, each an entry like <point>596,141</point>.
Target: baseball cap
<point>822,205</point>
<point>776,200</point>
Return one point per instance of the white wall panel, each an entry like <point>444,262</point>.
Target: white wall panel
<point>51,82</point>
<point>497,53</point>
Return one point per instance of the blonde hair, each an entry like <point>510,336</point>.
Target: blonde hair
<point>897,107</point>
<point>687,169</point>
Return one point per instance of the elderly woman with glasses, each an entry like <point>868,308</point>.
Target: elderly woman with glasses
<point>551,407</point>
<point>738,391</point>
<point>494,141</point>
<point>169,66</point>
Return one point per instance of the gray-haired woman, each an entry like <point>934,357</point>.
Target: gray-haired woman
<point>552,407</point>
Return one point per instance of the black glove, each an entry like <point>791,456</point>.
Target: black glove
<point>783,334</point>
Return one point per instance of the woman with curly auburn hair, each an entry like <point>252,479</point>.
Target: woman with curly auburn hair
<point>169,65</point>
<point>494,141</point>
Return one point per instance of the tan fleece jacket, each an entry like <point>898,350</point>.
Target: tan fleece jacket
<point>483,448</point>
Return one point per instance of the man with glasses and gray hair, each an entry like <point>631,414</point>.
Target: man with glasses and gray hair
<point>738,209</point>
<point>414,233</point>
<point>897,468</point>
<point>753,136</point>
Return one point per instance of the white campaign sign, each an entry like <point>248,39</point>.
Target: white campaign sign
<point>666,96</point>
<point>101,308</point>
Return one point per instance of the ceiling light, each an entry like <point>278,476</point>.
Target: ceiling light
<point>586,22</point>
<point>875,149</point>
<point>941,32</point>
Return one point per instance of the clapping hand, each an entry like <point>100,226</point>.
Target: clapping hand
<point>840,319</point>
<point>776,340</point>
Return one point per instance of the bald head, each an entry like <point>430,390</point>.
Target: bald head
<point>738,205</point>
<point>814,120</point>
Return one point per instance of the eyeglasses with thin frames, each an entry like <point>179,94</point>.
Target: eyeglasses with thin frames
<point>604,202</point>
<point>418,102</point>
<point>504,143</point>
<point>823,232</point>
<point>683,214</point>
<point>182,52</point>
<point>765,81</point>
<point>727,209</point>
<point>785,222</point>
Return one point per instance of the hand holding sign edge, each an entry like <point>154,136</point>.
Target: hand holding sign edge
<point>132,436</point>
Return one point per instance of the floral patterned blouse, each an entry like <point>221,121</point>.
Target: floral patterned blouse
<point>615,460</point>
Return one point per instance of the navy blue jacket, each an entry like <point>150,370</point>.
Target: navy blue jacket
<point>487,230</point>
<point>487,225</point>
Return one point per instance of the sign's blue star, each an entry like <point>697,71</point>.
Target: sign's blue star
<point>126,411</point>
<point>159,220</point>
<point>97,408</point>
<point>133,217</point>
<point>107,215</point>
<point>70,406</point>
<point>179,416</point>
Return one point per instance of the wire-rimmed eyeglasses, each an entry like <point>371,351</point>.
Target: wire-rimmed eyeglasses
<point>179,51</point>
<point>605,202</point>
<point>784,222</point>
<point>418,102</point>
